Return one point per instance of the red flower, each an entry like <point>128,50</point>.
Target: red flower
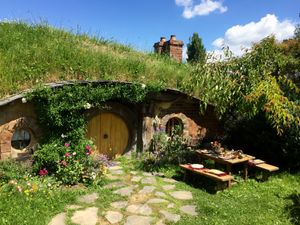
<point>67,154</point>
<point>43,172</point>
<point>88,148</point>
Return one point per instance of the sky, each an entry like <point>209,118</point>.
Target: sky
<point>141,23</point>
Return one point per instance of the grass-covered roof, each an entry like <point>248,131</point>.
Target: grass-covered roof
<point>37,53</point>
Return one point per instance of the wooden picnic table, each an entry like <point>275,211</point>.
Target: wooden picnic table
<point>205,154</point>
<point>206,172</point>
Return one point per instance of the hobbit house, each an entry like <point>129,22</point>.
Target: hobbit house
<point>116,129</point>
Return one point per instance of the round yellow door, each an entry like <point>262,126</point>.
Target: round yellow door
<point>109,133</point>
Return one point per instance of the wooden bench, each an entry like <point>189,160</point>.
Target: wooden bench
<point>205,172</point>
<point>266,168</point>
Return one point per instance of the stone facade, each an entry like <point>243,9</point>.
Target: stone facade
<point>143,121</point>
<point>172,48</point>
<point>17,116</point>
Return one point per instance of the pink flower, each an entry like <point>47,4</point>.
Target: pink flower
<point>43,172</point>
<point>88,148</point>
<point>67,144</point>
<point>67,154</point>
<point>88,153</point>
<point>64,163</point>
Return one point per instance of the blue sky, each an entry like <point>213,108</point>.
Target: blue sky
<point>141,23</point>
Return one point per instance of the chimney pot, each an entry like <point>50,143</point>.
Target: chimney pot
<point>163,39</point>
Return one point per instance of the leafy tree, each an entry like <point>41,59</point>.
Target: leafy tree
<point>195,50</point>
<point>256,83</point>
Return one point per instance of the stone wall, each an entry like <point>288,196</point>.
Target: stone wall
<point>17,116</point>
<point>195,126</point>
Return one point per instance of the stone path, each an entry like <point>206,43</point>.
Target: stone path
<point>148,199</point>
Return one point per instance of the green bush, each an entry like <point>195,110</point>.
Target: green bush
<point>47,157</point>
<point>70,163</point>
<point>165,151</point>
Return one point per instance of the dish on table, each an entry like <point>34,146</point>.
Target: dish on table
<point>197,166</point>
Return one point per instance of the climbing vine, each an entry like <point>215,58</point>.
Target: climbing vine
<point>61,110</point>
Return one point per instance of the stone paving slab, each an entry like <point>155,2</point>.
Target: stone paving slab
<point>142,209</point>
<point>149,180</point>
<point>113,217</point>
<point>168,187</point>
<point>59,219</point>
<point>136,178</point>
<point>156,200</point>
<point>147,174</point>
<point>90,198</point>
<point>170,216</point>
<point>160,222</point>
<point>119,204</point>
<point>160,194</point>
<point>87,216</point>
<point>189,209</point>
<point>138,220</point>
<point>117,172</point>
<point>147,190</point>
<point>182,195</point>
<point>116,184</point>
<point>125,191</point>
<point>115,168</point>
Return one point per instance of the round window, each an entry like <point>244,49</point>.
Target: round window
<point>174,125</point>
<point>20,139</point>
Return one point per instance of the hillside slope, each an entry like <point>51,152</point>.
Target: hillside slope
<point>31,54</point>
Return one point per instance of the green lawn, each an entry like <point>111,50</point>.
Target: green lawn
<point>248,202</point>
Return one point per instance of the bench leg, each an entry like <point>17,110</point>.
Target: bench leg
<point>265,175</point>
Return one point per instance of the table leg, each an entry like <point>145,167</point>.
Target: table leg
<point>228,168</point>
<point>246,171</point>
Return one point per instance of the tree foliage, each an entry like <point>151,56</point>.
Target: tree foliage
<point>195,50</point>
<point>256,83</point>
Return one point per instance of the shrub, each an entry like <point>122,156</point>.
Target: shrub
<point>165,151</point>
<point>71,164</point>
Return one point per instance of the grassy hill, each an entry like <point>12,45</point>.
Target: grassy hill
<point>37,53</point>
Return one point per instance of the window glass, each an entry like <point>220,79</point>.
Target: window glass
<point>20,139</point>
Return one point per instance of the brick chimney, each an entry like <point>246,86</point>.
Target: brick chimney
<point>172,48</point>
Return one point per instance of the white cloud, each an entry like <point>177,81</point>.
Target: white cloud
<point>241,37</point>
<point>202,9</point>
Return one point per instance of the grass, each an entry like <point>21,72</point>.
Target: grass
<point>37,53</point>
<point>273,202</point>
<point>253,202</point>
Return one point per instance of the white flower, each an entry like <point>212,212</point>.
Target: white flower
<point>24,100</point>
<point>74,153</point>
<point>63,136</point>
<point>143,86</point>
<point>87,105</point>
